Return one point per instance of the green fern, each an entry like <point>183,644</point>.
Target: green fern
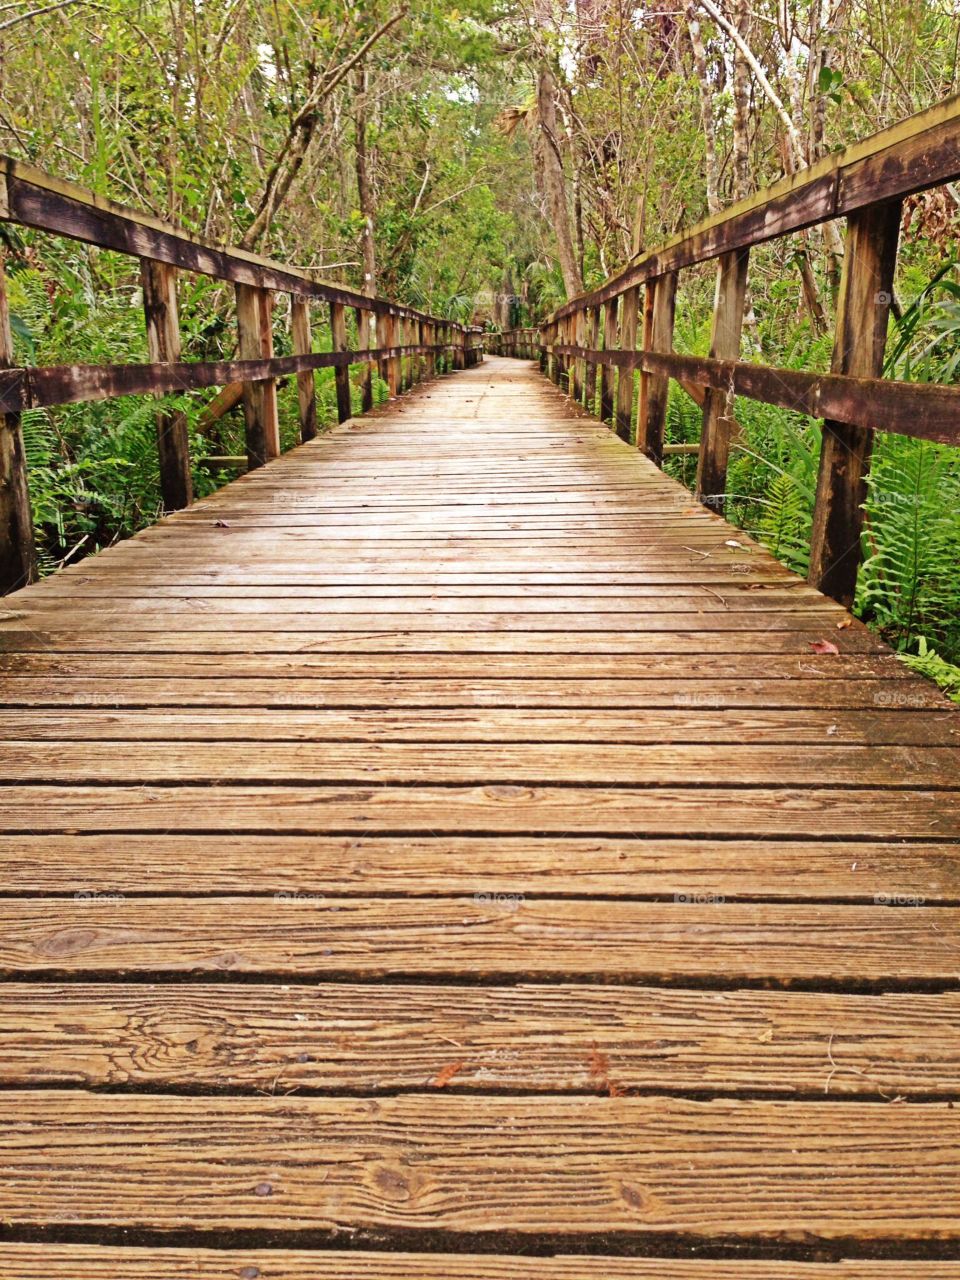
<point>785,523</point>
<point>927,662</point>
<point>908,584</point>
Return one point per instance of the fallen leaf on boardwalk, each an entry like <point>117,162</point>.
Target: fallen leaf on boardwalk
<point>823,646</point>
<point>844,623</point>
<point>220,524</point>
<point>444,1076</point>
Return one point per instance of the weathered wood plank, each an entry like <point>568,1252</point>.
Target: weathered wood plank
<point>293,691</point>
<point>637,1166</point>
<point>482,935</point>
<point>690,724</point>
<point>97,1262</point>
<point>549,1039</point>
<point>929,768</point>
<point>626,866</point>
<point>498,809</point>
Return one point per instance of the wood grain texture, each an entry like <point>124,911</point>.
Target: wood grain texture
<point>413,762</point>
<point>486,933</point>
<point>93,1262</point>
<point>627,866</point>
<point>484,768</point>
<point>522,1039</point>
<point>514,1166</point>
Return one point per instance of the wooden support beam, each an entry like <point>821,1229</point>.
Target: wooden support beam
<point>338,333</point>
<point>863,311</point>
<point>306,381</point>
<point>417,362</point>
<point>628,340</point>
<point>579,339</point>
<point>227,398</point>
<point>254,306</point>
<point>163,344</point>
<point>18,560</point>
<point>718,420</point>
<point>608,377</point>
<point>658,336</point>
<point>394,363</point>
<point>366,338</point>
<point>591,330</point>
<point>400,338</point>
<point>384,334</point>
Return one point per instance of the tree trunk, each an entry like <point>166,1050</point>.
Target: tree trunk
<point>553,180</point>
<point>365,196</point>
<point>706,110</point>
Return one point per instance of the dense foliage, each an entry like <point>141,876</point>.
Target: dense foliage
<point>483,160</point>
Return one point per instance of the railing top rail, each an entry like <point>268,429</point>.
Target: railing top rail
<point>37,199</point>
<point>919,152</point>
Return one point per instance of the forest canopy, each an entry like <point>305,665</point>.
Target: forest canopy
<point>483,161</point>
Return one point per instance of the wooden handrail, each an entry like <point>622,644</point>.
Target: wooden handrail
<point>917,153</point>
<point>866,183</point>
<point>408,344</point>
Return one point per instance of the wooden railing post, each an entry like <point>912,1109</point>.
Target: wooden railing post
<point>341,374</point>
<point>579,364</point>
<point>18,559</point>
<point>403,362</point>
<point>608,373</point>
<point>731,293</point>
<point>306,381</point>
<point>383,340</point>
<point>255,331</point>
<point>366,338</point>
<point>629,306</point>
<point>419,362</point>
<point>159,282</point>
<point>655,388</point>
<point>591,330</point>
<point>863,311</point>
<point>394,364</point>
<point>542,338</point>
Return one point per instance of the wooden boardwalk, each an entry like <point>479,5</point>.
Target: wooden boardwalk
<point>451,843</point>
